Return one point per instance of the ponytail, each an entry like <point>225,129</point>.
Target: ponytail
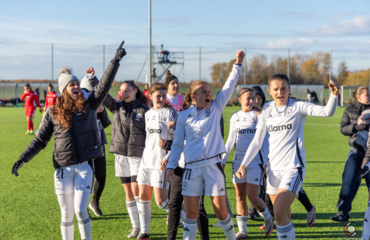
<point>187,101</point>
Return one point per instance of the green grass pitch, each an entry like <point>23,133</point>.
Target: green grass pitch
<point>29,208</point>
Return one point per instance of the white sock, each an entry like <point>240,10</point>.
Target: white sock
<point>182,215</point>
<point>137,200</point>
<point>366,226</point>
<point>164,205</point>
<point>242,223</point>
<point>227,226</point>
<point>285,232</point>
<point>190,229</point>
<point>265,214</point>
<point>145,213</point>
<point>85,228</point>
<point>133,213</point>
<point>67,229</point>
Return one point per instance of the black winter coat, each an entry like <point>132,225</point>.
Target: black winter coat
<point>128,129</point>
<point>349,123</point>
<point>82,141</point>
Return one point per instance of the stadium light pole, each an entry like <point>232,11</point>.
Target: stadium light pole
<point>103,58</point>
<point>200,63</point>
<point>330,64</point>
<point>52,62</point>
<point>149,75</point>
<point>245,66</point>
<point>288,71</point>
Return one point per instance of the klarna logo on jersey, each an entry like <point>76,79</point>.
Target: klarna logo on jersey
<point>155,130</point>
<point>246,130</point>
<point>279,128</point>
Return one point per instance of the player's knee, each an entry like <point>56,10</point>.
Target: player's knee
<point>192,213</point>
<point>81,214</point>
<point>240,198</point>
<point>144,197</point>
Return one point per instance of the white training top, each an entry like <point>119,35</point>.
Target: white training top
<point>285,125</point>
<point>156,128</point>
<point>202,130</point>
<point>243,126</point>
<point>173,99</point>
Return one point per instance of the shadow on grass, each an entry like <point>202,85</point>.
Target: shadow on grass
<point>326,162</point>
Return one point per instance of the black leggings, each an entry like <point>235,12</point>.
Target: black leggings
<point>175,207</point>
<point>100,176</point>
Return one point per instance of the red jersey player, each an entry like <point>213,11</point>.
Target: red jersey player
<point>51,97</point>
<point>30,106</point>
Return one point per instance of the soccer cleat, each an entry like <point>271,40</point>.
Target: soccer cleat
<point>263,227</point>
<point>28,132</point>
<point>217,224</point>
<point>31,132</point>
<point>340,217</point>
<point>95,208</point>
<point>252,217</point>
<point>143,236</point>
<point>269,226</point>
<point>133,233</point>
<point>241,235</point>
<point>311,216</point>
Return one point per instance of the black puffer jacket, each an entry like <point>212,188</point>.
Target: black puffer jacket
<point>81,142</point>
<point>128,129</point>
<point>349,122</point>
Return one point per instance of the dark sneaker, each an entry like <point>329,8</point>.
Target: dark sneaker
<point>143,236</point>
<point>311,216</point>
<point>95,208</point>
<point>340,217</point>
<point>252,217</point>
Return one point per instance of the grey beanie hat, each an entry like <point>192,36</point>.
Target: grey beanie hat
<point>85,83</point>
<point>65,77</point>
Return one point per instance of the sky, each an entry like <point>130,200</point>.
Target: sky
<point>79,29</point>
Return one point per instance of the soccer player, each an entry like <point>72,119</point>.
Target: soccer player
<point>284,120</point>
<point>100,165</point>
<point>174,99</point>
<point>51,97</point>
<point>30,106</point>
<point>200,127</point>
<point>73,121</point>
<point>128,142</point>
<point>242,129</point>
<point>152,172</point>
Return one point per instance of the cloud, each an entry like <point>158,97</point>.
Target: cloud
<point>359,26</point>
<point>292,43</point>
<point>338,16</point>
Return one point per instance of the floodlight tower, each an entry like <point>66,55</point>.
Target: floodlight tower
<point>149,74</point>
<point>164,61</point>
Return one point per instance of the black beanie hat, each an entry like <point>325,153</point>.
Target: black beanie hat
<point>169,78</point>
<point>258,90</point>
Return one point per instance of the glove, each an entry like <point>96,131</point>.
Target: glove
<point>362,173</point>
<point>17,165</point>
<point>121,52</point>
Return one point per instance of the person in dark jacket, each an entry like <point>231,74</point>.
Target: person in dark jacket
<point>356,154</point>
<point>128,142</point>
<point>76,143</point>
<point>100,166</point>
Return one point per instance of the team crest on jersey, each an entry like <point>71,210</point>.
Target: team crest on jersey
<point>244,119</point>
<point>270,116</point>
<point>207,111</point>
<point>138,117</point>
<point>289,112</point>
<point>153,118</point>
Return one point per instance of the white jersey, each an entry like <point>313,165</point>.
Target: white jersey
<point>285,126</point>
<point>243,126</point>
<point>156,128</point>
<point>201,129</point>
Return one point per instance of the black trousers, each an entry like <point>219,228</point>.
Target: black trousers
<point>175,207</point>
<point>100,176</point>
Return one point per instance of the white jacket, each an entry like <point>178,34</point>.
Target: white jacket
<point>201,129</point>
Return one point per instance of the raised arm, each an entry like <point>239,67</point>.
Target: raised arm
<point>39,142</point>
<point>23,96</point>
<point>230,140</point>
<point>223,97</point>
<point>109,102</point>
<point>101,90</point>
<point>311,109</point>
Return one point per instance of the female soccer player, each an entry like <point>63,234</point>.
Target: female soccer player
<point>284,120</point>
<point>242,129</point>
<point>30,106</point>
<point>200,127</point>
<point>174,99</point>
<point>152,172</point>
<point>73,121</point>
<point>100,166</point>
<point>128,142</point>
<point>51,97</point>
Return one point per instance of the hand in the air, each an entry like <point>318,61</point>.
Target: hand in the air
<point>239,57</point>
<point>121,52</point>
<point>90,71</point>
<point>334,87</point>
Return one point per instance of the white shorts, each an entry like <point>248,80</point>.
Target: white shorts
<point>289,179</point>
<point>126,166</point>
<point>78,177</point>
<point>210,179</point>
<point>152,177</point>
<point>253,175</point>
